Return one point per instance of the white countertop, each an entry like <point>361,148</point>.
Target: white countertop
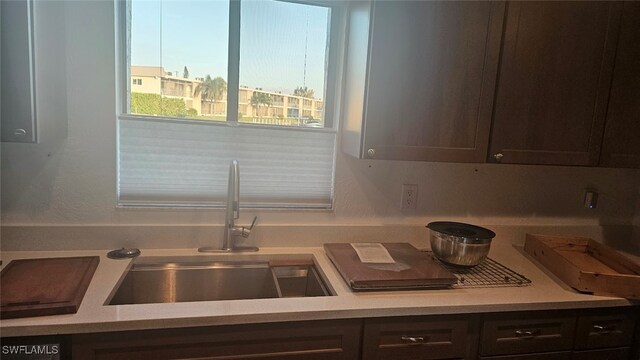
<point>545,292</point>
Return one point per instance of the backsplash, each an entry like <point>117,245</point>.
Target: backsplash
<point>43,238</point>
<point>77,185</point>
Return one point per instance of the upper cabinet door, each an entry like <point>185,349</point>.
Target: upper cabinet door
<point>621,145</point>
<point>423,87</point>
<point>17,89</point>
<point>553,83</point>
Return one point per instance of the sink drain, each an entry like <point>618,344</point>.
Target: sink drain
<point>123,253</point>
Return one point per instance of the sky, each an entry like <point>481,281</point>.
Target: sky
<point>178,33</point>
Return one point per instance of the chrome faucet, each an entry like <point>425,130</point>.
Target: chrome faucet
<point>231,230</point>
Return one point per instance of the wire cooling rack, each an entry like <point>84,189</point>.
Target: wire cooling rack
<point>489,273</point>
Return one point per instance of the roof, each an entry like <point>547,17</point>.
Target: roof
<point>147,71</point>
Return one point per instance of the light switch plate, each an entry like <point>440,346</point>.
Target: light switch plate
<point>590,198</point>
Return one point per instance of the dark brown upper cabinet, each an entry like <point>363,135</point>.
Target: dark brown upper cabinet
<point>420,79</point>
<point>621,145</point>
<point>554,80</point>
<point>17,70</point>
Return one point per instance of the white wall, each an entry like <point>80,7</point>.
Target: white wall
<point>74,181</point>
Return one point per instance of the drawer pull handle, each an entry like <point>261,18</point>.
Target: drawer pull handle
<point>527,333</point>
<point>413,340</point>
<point>603,329</point>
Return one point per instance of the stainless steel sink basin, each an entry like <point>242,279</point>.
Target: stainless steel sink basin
<point>166,282</point>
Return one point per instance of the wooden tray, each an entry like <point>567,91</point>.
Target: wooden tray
<point>419,270</point>
<point>38,287</point>
<point>586,265</point>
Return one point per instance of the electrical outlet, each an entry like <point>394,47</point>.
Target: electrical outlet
<point>409,196</point>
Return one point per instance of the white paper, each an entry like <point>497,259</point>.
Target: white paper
<point>372,253</point>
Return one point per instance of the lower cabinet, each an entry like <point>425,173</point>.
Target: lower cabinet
<point>531,332</point>
<point>605,328</point>
<point>591,334</point>
<point>432,337</point>
<point>313,340</point>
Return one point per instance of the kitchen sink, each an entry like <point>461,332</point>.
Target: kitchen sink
<point>196,280</point>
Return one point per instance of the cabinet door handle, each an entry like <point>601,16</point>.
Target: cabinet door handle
<point>371,153</point>
<point>527,333</point>
<point>498,157</point>
<point>603,329</point>
<point>413,340</point>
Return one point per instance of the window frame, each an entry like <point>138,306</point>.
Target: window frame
<point>333,90</point>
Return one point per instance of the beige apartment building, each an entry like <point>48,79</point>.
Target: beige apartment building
<point>155,80</point>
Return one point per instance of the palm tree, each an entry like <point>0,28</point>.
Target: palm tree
<point>211,89</point>
<point>304,92</point>
<point>260,98</point>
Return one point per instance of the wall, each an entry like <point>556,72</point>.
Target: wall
<point>74,181</point>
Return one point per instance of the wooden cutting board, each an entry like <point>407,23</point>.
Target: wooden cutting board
<point>38,287</point>
<point>413,269</point>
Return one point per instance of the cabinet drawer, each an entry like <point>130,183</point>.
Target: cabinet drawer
<point>564,355</point>
<point>311,340</point>
<point>603,354</point>
<point>605,328</point>
<point>436,337</point>
<point>531,332</point>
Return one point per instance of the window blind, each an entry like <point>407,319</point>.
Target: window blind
<point>186,163</point>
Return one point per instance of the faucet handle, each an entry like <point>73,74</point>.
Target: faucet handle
<point>247,231</point>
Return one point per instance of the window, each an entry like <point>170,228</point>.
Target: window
<point>174,140</point>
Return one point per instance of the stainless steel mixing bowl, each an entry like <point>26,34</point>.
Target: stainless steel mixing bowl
<point>458,243</point>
